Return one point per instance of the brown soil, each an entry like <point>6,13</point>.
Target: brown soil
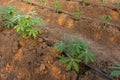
<point>33,59</point>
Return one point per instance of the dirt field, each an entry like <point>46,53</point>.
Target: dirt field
<point>34,59</point>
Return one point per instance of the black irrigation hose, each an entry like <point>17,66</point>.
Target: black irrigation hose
<point>99,72</point>
<point>71,14</point>
<point>93,4</point>
<point>86,65</point>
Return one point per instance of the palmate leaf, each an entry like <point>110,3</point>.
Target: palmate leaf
<point>75,51</point>
<point>76,67</point>
<point>72,63</point>
<point>81,56</point>
<point>8,24</point>
<point>69,65</point>
<point>117,67</point>
<point>64,59</point>
<point>89,56</point>
<point>60,46</point>
<point>11,10</point>
<point>16,18</point>
<point>38,21</point>
<point>24,34</point>
<point>32,32</point>
<point>77,47</point>
<point>7,11</point>
<point>115,73</point>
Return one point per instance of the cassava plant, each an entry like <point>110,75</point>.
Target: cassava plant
<point>25,25</point>
<point>116,71</point>
<point>75,51</point>
<point>58,6</point>
<point>6,13</point>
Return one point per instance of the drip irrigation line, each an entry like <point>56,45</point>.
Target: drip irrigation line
<point>71,14</point>
<point>99,72</point>
<point>51,44</point>
<point>93,4</point>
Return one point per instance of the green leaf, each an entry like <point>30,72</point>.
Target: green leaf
<point>28,1</point>
<point>8,24</point>
<point>59,46</point>
<point>115,67</point>
<point>89,56</point>
<point>76,67</point>
<point>77,14</point>
<point>57,6</point>
<point>85,1</point>
<point>80,56</point>
<point>38,21</point>
<point>69,65</point>
<point>64,59</point>
<point>117,4</point>
<point>115,73</point>
<point>106,17</point>
<point>43,1</point>
<point>33,13</point>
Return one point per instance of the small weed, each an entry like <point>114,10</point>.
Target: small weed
<point>75,51</point>
<point>116,71</point>
<point>58,6</point>
<point>107,18</point>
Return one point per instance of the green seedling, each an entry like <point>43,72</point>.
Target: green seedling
<point>116,71</point>
<point>117,4</point>
<point>77,14</point>
<point>103,1</point>
<point>58,6</point>
<point>107,18</point>
<point>25,25</point>
<point>43,1</point>
<point>28,1</point>
<point>33,13</point>
<point>85,1</point>
<point>75,51</point>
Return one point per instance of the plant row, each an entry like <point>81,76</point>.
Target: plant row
<point>72,50</point>
<point>22,23</point>
<point>76,15</point>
